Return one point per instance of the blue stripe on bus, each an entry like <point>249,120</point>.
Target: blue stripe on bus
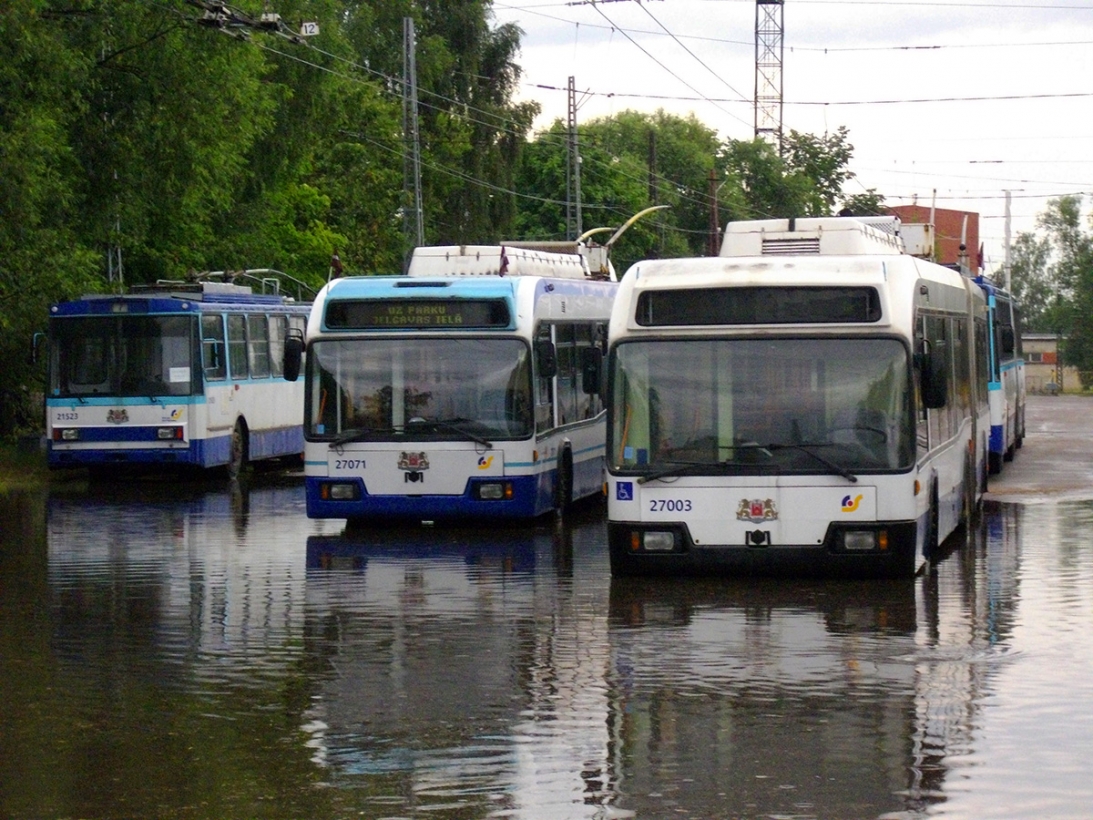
<point>210,452</point>
<point>527,502</point>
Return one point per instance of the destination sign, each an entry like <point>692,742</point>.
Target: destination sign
<point>759,305</point>
<point>379,314</point>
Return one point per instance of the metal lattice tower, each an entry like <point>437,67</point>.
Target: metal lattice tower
<point>769,36</point>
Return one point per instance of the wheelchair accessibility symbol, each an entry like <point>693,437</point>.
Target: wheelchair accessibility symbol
<point>624,491</point>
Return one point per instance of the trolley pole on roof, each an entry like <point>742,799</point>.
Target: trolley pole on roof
<point>769,39</point>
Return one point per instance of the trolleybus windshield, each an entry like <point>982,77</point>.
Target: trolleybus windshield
<point>757,406</point>
<point>123,356</point>
<point>394,388</point>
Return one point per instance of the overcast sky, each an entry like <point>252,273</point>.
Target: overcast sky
<point>965,99</point>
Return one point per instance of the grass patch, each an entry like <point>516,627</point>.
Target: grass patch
<point>22,465</point>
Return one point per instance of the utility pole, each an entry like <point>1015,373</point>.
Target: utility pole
<point>769,39</point>
<point>1006,247</point>
<point>412,163</point>
<point>713,246</point>
<point>573,167</point>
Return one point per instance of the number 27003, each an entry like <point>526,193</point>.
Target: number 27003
<point>670,505</point>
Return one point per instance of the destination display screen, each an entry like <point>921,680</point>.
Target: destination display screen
<point>381,314</point>
<point>758,306</point>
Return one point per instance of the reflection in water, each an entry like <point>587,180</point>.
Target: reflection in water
<point>458,669</point>
<point>194,651</point>
<point>768,698</point>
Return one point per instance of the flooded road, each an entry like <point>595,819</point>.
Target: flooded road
<point>190,652</point>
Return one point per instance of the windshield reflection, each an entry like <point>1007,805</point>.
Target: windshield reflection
<point>386,388</point>
<point>770,405</point>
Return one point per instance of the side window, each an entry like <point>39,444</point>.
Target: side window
<point>962,362</point>
<point>544,390</point>
<point>566,398</point>
<point>982,359</point>
<point>937,335</point>
<point>237,345</point>
<point>213,352</point>
<point>585,337</point>
<point>277,330</point>
<point>258,346</point>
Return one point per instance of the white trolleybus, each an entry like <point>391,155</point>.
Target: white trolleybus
<point>458,390</point>
<point>808,402</point>
<point>178,374</point>
<point>1006,375</point>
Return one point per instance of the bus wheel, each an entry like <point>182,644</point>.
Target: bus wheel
<point>971,490</point>
<point>237,459</point>
<point>929,540</point>
<point>994,462</point>
<point>563,484</point>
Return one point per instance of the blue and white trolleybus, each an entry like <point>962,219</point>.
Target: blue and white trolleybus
<point>179,374</point>
<point>1006,375</point>
<point>457,390</point>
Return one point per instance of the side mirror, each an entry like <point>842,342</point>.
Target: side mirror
<point>591,370</point>
<point>935,382</point>
<point>1009,340</point>
<point>36,342</point>
<point>294,355</point>
<point>546,359</point>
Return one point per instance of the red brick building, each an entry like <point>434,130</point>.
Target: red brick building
<point>948,228</point>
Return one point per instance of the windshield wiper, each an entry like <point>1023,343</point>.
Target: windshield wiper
<point>806,448</point>
<point>676,468</point>
<point>454,425</point>
<point>673,468</point>
<point>356,434</point>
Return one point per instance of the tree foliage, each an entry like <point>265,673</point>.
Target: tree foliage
<point>1052,275</point>
<point>136,134</point>
<point>1032,282</point>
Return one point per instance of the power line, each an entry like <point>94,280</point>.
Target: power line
<point>624,33</point>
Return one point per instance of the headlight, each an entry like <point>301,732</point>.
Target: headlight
<point>653,541</point>
<point>865,540</point>
<point>339,491</point>
<point>494,490</point>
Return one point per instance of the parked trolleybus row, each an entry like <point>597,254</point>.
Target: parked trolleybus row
<point>817,399</point>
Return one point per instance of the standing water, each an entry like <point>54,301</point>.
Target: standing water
<point>193,652</point>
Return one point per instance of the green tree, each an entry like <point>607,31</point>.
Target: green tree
<point>1071,271</point>
<point>806,179</point>
<point>471,130</point>
<point>1032,282</point>
<point>42,256</point>
<point>867,203</point>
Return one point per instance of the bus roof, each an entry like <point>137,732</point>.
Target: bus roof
<point>813,236</point>
<point>496,260</point>
<point>172,297</point>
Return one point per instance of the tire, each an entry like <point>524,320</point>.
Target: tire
<point>563,484</point>
<point>971,490</point>
<point>930,539</point>
<point>238,455</point>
